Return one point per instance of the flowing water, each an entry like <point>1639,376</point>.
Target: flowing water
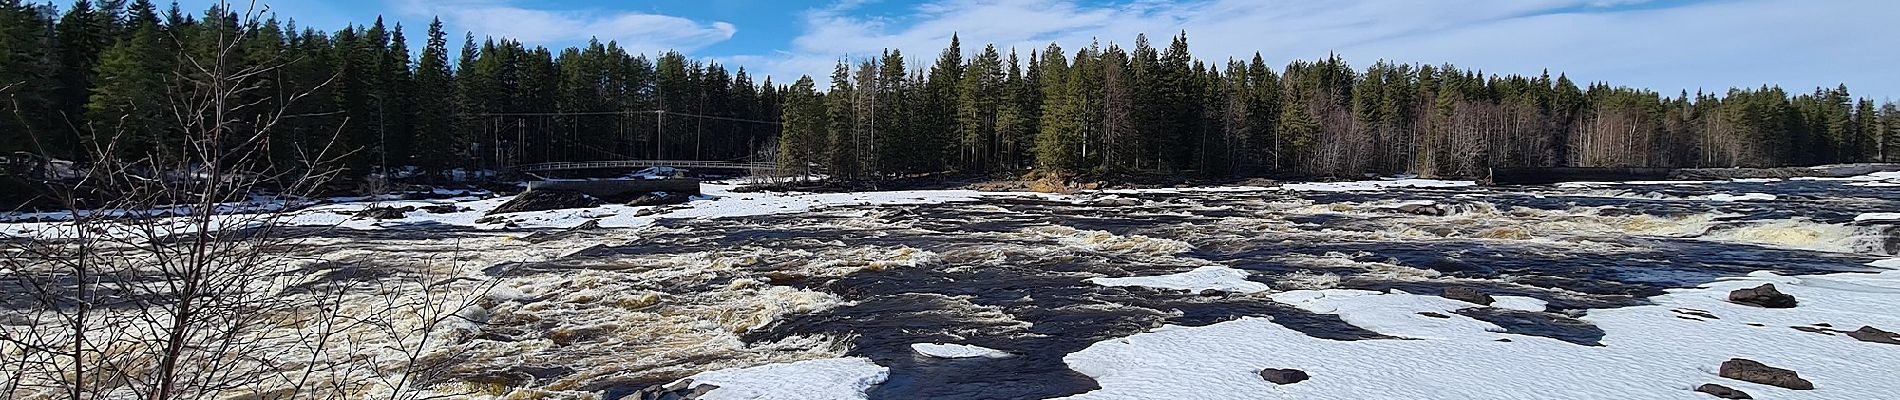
<point>606,312</point>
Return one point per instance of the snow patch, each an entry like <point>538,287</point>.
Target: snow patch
<point>941,350</point>
<point>1877,217</point>
<point>1742,197</point>
<point>1648,352</point>
<point>1520,303</point>
<point>832,378</point>
<point>1217,277</point>
<point>1363,186</point>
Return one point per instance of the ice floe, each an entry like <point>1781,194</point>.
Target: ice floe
<point>942,350</point>
<point>1216,277</point>
<point>1882,216</point>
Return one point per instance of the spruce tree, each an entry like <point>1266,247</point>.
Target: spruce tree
<point>438,146</point>
<point>128,108</point>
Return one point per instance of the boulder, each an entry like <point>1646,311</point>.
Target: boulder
<point>384,212</point>
<point>1764,296</point>
<point>1750,371</point>
<point>1468,295</point>
<point>543,200</point>
<point>1722,391</point>
<point>659,199</point>
<point>1872,335</point>
<point>1425,209</point>
<point>1212,293</point>
<point>1283,376</point>
<point>442,209</point>
<point>684,389</point>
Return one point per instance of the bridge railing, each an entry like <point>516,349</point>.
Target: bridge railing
<point>688,164</point>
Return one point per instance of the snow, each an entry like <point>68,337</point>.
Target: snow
<point>1218,277</point>
<point>1520,303</point>
<point>1648,352</point>
<point>1363,186</point>
<point>1883,216</point>
<point>1891,263</point>
<point>831,378</point>
<point>940,350</point>
<point>1742,197</point>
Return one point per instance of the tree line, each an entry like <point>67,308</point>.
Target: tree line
<point>106,76</point>
<point>1106,110</point>
<point>107,73</point>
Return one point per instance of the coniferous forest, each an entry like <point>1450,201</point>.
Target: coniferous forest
<point>91,72</point>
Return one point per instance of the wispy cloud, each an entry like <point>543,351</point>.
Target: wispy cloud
<point>1665,46</point>
<point>639,32</point>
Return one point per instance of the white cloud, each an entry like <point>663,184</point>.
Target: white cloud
<point>638,32</point>
<point>1711,44</point>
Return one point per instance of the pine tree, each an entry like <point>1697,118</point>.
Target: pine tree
<point>845,161</point>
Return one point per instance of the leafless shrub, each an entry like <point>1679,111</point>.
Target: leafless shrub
<point>179,273</point>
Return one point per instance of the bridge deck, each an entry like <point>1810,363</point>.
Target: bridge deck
<point>568,166</point>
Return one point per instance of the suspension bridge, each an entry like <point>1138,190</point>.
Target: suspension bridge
<point>553,145</point>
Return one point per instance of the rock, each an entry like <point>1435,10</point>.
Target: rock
<point>591,224</point>
<point>1764,296</point>
<point>1434,315</point>
<point>384,212</point>
<point>1750,371</point>
<point>543,200</point>
<point>785,278</point>
<point>442,209</point>
<point>1722,391</point>
<point>1425,209</point>
<point>1283,376</point>
<point>1468,295</point>
<point>1871,335</point>
<point>660,199</point>
<point>1212,293</point>
<point>684,389</point>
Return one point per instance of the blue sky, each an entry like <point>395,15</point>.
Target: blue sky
<point>1667,45</point>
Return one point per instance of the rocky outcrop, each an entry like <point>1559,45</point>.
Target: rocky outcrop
<point>659,199</point>
<point>1722,391</point>
<point>381,213</point>
<point>1283,376</point>
<point>1764,296</point>
<point>1746,370</point>
<point>543,200</point>
<point>1468,295</point>
<point>1872,335</point>
<point>443,209</point>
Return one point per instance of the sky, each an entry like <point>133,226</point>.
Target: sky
<point>1664,45</point>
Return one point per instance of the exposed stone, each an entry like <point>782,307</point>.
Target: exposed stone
<point>1762,296</point>
<point>684,389</point>
<point>1283,376</point>
<point>1750,371</point>
<point>1425,209</point>
<point>1722,391</point>
<point>384,212</point>
<point>591,224</point>
<point>1434,315</point>
<point>785,278</point>
<point>659,199</point>
<point>1468,295</point>
<point>1872,335</point>
<point>543,200</point>
<point>442,209</point>
<point>1212,292</point>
